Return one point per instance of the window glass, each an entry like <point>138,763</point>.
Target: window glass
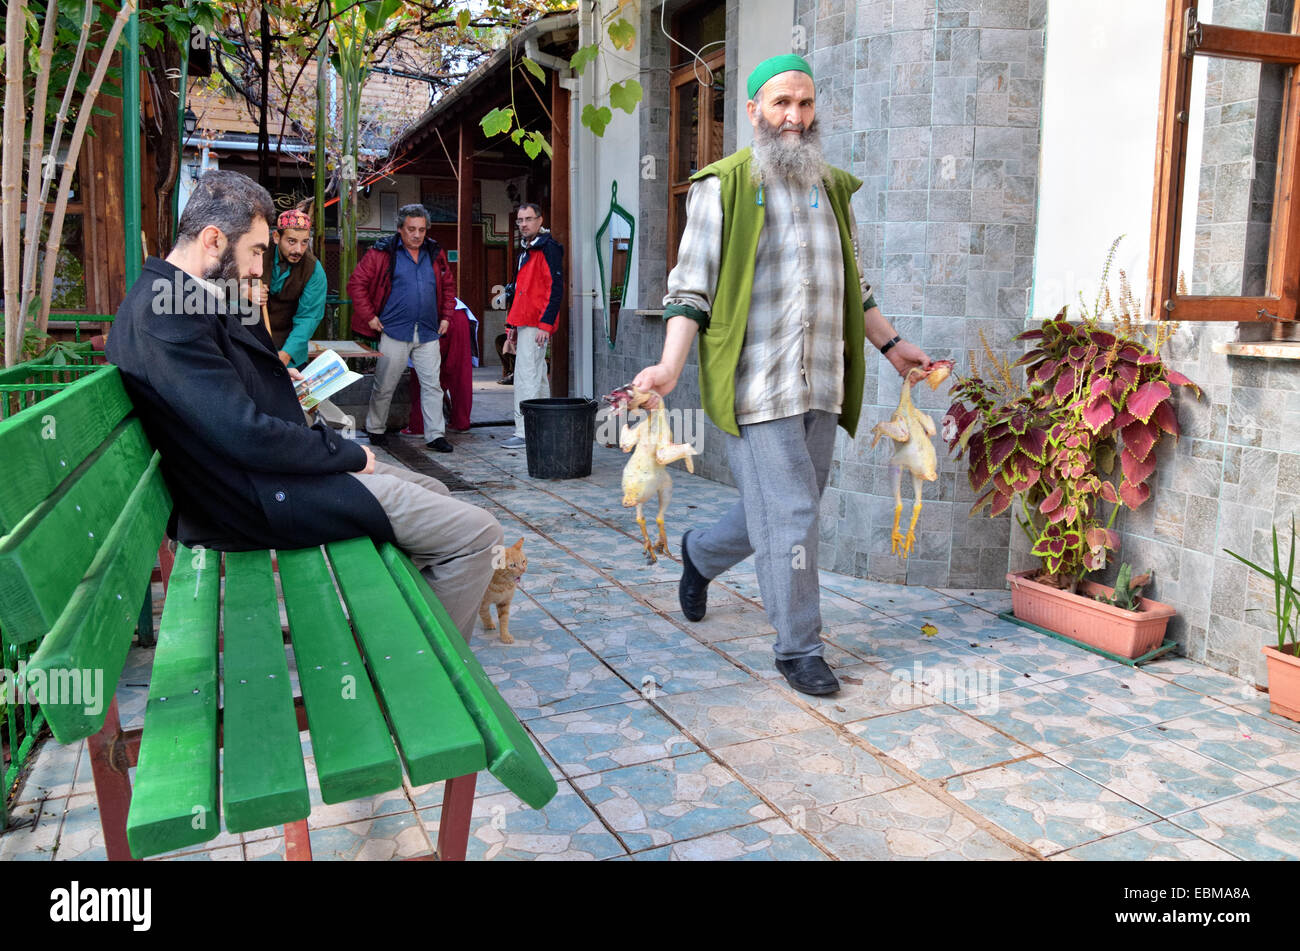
<point>1234,127</point>
<point>1270,16</point>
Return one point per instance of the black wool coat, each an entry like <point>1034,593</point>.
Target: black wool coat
<point>244,469</point>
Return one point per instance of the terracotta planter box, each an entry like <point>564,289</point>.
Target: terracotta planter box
<point>1106,627</point>
<point>1283,682</point>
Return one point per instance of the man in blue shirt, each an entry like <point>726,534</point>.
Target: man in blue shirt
<point>403,289</point>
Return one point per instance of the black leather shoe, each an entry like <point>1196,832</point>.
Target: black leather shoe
<point>377,439</point>
<point>809,675</point>
<point>439,445</point>
<point>693,589</point>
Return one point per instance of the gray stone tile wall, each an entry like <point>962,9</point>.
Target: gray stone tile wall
<point>1236,471</point>
<point>943,129</point>
<point>934,104</point>
<point>639,341</point>
<point>1233,475</point>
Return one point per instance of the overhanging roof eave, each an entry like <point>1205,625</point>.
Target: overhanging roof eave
<point>458,98</point>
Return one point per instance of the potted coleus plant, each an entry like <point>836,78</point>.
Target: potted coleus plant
<point>1284,661</point>
<point>1069,447</point>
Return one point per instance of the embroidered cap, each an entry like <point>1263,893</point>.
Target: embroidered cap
<point>773,65</point>
<point>293,218</point>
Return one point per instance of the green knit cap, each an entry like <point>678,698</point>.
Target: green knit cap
<point>773,65</point>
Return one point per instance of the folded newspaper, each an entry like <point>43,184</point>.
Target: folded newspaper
<point>322,378</point>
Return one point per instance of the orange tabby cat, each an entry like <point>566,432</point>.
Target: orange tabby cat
<point>510,566</point>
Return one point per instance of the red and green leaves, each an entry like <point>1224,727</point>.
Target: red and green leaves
<point>1075,444</point>
<point>1058,546</point>
<point>1144,400</point>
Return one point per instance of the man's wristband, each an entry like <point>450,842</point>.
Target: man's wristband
<point>885,348</point>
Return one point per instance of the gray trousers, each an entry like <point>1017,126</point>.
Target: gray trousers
<point>780,467</point>
<point>393,354</point>
<point>452,542</point>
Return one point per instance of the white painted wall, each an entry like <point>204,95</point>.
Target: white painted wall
<point>1100,96</point>
<point>766,29</point>
<point>615,157</point>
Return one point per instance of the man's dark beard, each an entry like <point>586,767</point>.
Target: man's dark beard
<point>226,268</point>
<point>800,163</point>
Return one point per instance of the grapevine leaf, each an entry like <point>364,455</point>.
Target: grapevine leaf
<point>497,121</point>
<point>585,55</point>
<point>533,68</point>
<point>622,34</point>
<point>625,95</point>
<point>596,119</point>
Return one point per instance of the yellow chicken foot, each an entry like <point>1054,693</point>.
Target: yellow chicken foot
<point>665,496</point>
<point>647,545</point>
<point>662,545</point>
<point>916,514</point>
<point>896,539</point>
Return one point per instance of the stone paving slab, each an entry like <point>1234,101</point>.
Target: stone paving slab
<point>973,739</point>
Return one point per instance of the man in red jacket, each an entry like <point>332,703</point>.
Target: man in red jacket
<point>403,290</point>
<point>534,311</point>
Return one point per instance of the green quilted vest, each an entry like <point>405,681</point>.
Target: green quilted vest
<point>723,334</point>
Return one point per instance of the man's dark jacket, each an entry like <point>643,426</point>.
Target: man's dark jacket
<point>244,470</point>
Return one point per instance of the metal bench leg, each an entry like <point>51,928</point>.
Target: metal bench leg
<point>457,807</point>
<point>166,558</point>
<point>109,761</point>
<point>297,842</point>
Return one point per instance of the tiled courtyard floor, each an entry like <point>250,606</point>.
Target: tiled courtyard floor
<point>672,740</point>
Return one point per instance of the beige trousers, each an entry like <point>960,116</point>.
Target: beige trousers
<point>530,373</point>
<point>452,542</point>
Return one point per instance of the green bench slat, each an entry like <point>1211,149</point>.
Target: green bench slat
<point>92,636</point>
<point>43,559</point>
<point>349,737</point>
<point>265,780</point>
<point>174,801</point>
<point>512,756</point>
<point>43,444</point>
<point>435,734</point>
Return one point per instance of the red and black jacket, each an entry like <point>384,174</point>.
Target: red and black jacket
<point>539,285</point>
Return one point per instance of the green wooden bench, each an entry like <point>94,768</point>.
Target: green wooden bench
<point>385,678</point>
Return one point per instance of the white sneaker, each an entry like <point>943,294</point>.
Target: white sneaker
<point>514,442</point>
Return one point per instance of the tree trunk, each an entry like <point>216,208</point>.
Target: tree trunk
<point>60,121</point>
<point>33,200</point>
<point>74,150</point>
<point>318,178</point>
<point>264,73</point>
<point>11,174</point>
<point>163,136</point>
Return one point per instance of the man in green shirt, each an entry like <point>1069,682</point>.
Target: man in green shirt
<point>296,284</point>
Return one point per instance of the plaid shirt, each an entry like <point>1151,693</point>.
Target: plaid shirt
<point>793,357</point>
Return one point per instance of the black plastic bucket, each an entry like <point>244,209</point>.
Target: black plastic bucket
<point>558,435</point>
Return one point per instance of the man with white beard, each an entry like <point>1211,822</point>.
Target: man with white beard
<point>768,274</point>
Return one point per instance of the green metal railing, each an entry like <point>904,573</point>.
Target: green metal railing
<point>26,384</point>
<point>22,387</point>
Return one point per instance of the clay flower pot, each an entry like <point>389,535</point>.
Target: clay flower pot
<point>1284,681</point>
<point>1077,616</point>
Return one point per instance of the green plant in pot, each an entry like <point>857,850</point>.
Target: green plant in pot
<point>1284,661</point>
<point>1073,443</point>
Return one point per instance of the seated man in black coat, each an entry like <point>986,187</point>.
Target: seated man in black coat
<point>244,470</point>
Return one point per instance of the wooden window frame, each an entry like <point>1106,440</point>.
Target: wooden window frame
<point>1185,38</point>
<point>682,75</point>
